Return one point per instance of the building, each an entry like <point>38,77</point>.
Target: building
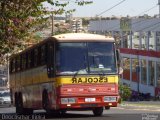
<point>139,43</point>
<point>76,25</point>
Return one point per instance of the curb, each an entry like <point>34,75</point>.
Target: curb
<point>141,104</point>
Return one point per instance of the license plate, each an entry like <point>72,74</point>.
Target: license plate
<point>90,99</point>
<point>89,105</point>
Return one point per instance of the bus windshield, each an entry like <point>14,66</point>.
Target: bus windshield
<point>85,58</point>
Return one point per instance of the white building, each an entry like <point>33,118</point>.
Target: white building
<point>140,50</point>
<point>76,25</point>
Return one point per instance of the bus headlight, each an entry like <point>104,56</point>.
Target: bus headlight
<point>110,99</point>
<point>68,100</point>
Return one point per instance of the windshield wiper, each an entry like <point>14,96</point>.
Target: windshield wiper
<point>84,63</point>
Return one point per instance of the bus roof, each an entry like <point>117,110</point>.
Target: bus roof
<point>82,37</point>
<point>70,37</point>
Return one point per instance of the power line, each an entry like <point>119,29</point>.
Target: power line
<point>150,26</point>
<point>147,10</point>
<point>111,7</point>
<point>136,22</point>
<point>115,27</point>
<point>140,14</point>
<point>157,26</point>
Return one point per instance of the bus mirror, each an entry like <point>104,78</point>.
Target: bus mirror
<point>118,57</point>
<point>120,70</point>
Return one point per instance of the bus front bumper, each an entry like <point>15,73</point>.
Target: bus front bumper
<point>88,102</point>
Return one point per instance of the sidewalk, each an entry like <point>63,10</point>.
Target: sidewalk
<point>141,103</point>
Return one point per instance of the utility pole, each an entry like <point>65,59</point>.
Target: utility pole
<point>8,77</point>
<point>159,7</point>
<point>52,23</point>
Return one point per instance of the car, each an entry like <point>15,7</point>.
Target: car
<point>5,98</point>
<point>1,100</point>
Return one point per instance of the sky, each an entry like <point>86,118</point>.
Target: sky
<point>128,7</point>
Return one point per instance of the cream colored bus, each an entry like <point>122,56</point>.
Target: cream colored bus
<point>75,71</point>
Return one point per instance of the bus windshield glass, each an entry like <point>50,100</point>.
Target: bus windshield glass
<point>85,58</point>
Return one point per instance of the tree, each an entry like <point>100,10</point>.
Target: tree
<point>19,18</point>
<point>85,22</point>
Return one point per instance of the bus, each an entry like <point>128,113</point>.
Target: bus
<point>73,71</point>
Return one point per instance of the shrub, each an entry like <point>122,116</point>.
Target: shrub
<point>124,91</point>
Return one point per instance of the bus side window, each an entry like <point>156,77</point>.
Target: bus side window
<point>26,63</point>
<point>11,66</point>
<point>50,60</point>
<point>46,52</point>
<point>35,57</point>
<point>43,54</point>
<point>23,61</point>
<point>18,63</point>
<point>14,65</point>
<point>39,56</point>
<point>29,60</point>
<point>32,59</point>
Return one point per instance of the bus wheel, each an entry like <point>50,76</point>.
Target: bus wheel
<point>45,100</point>
<point>27,111</point>
<point>19,104</point>
<point>63,112</point>
<point>107,107</point>
<point>52,112</point>
<point>98,111</point>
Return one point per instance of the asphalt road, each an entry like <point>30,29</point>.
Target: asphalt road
<point>120,113</point>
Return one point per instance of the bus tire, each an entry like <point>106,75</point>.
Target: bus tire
<point>63,112</point>
<point>19,103</point>
<point>56,112</point>
<point>15,99</point>
<point>27,111</point>
<point>107,107</point>
<point>45,100</point>
<point>98,111</point>
<point>19,106</point>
